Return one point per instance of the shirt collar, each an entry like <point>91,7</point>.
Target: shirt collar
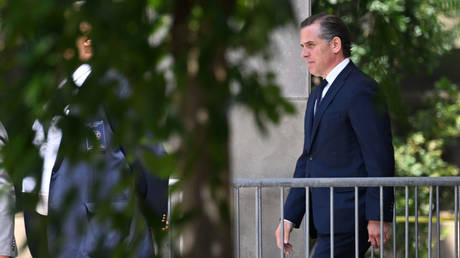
<point>80,75</point>
<point>336,71</point>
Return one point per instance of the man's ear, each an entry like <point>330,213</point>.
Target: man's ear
<point>336,45</point>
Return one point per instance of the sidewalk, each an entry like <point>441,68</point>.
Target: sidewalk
<point>20,234</point>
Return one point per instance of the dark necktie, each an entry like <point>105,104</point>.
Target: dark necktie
<point>321,86</point>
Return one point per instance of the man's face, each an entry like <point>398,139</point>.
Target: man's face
<point>85,51</point>
<point>317,52</point>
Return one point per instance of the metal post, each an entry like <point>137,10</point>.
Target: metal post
<point>331,215</point>
<point>356,224</point>
<point>181,239</point>
<point>258,224</point>
<point>406,224</point>
<point>307,222</point>
<point>381,222</point>
<point>416,220</point>
<point>282,220</point>
<point>360,182</point>
<point>438,233</point>
<point>394,224</point>
<point>458,210</point>
<point>456,221</point>
<point>430,217</point>
<point>237,212</point>
<point>170,240</point>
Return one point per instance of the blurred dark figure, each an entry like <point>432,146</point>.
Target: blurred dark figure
<point>88,214</point>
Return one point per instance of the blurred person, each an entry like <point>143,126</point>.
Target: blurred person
<point>7,200</point>
<point>35,216</point>
<point>81,233</point>
<point>347,134</point>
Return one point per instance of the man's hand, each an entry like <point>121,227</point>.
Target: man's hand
<point>373,227</point>
<point>287,232</point>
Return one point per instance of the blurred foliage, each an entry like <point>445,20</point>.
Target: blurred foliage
<point>396,38</point>
<point>175,56</point>
<point>439,123</point>
<point>421,154</point>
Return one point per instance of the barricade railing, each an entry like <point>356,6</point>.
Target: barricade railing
<point>331,183</point>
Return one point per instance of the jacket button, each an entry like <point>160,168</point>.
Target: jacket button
<point>310,157</point>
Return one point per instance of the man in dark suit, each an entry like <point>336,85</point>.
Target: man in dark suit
<point>347,134</point>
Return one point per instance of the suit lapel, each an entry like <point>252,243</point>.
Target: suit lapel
<point>309,117</point>
<point>330,95</point>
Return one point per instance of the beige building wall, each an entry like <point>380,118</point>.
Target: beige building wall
<point>273,154</point>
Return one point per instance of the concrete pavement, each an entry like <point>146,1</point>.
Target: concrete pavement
<point>20,234</point>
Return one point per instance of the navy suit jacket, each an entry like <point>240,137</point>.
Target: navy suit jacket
<point>80,191</point>
<point>350,136</point>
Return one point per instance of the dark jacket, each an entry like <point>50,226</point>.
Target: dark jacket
<point>81,193</point>
<point>350,136</point>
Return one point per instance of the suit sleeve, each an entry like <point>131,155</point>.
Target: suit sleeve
<point>294,208</point>
<point>372,128</point>
<point>152,190</point>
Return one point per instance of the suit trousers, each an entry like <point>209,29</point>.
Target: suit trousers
<point>37,240</point>
<point>344,245</point>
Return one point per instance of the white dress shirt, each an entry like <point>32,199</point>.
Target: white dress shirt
<point>331,76</point>
<point>49,147</point>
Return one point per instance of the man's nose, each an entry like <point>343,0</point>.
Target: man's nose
<point>305,53</point>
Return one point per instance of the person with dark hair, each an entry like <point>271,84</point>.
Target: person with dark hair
<point>347,134</point>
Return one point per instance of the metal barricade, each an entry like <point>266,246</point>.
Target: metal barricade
<point>331,183</point>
